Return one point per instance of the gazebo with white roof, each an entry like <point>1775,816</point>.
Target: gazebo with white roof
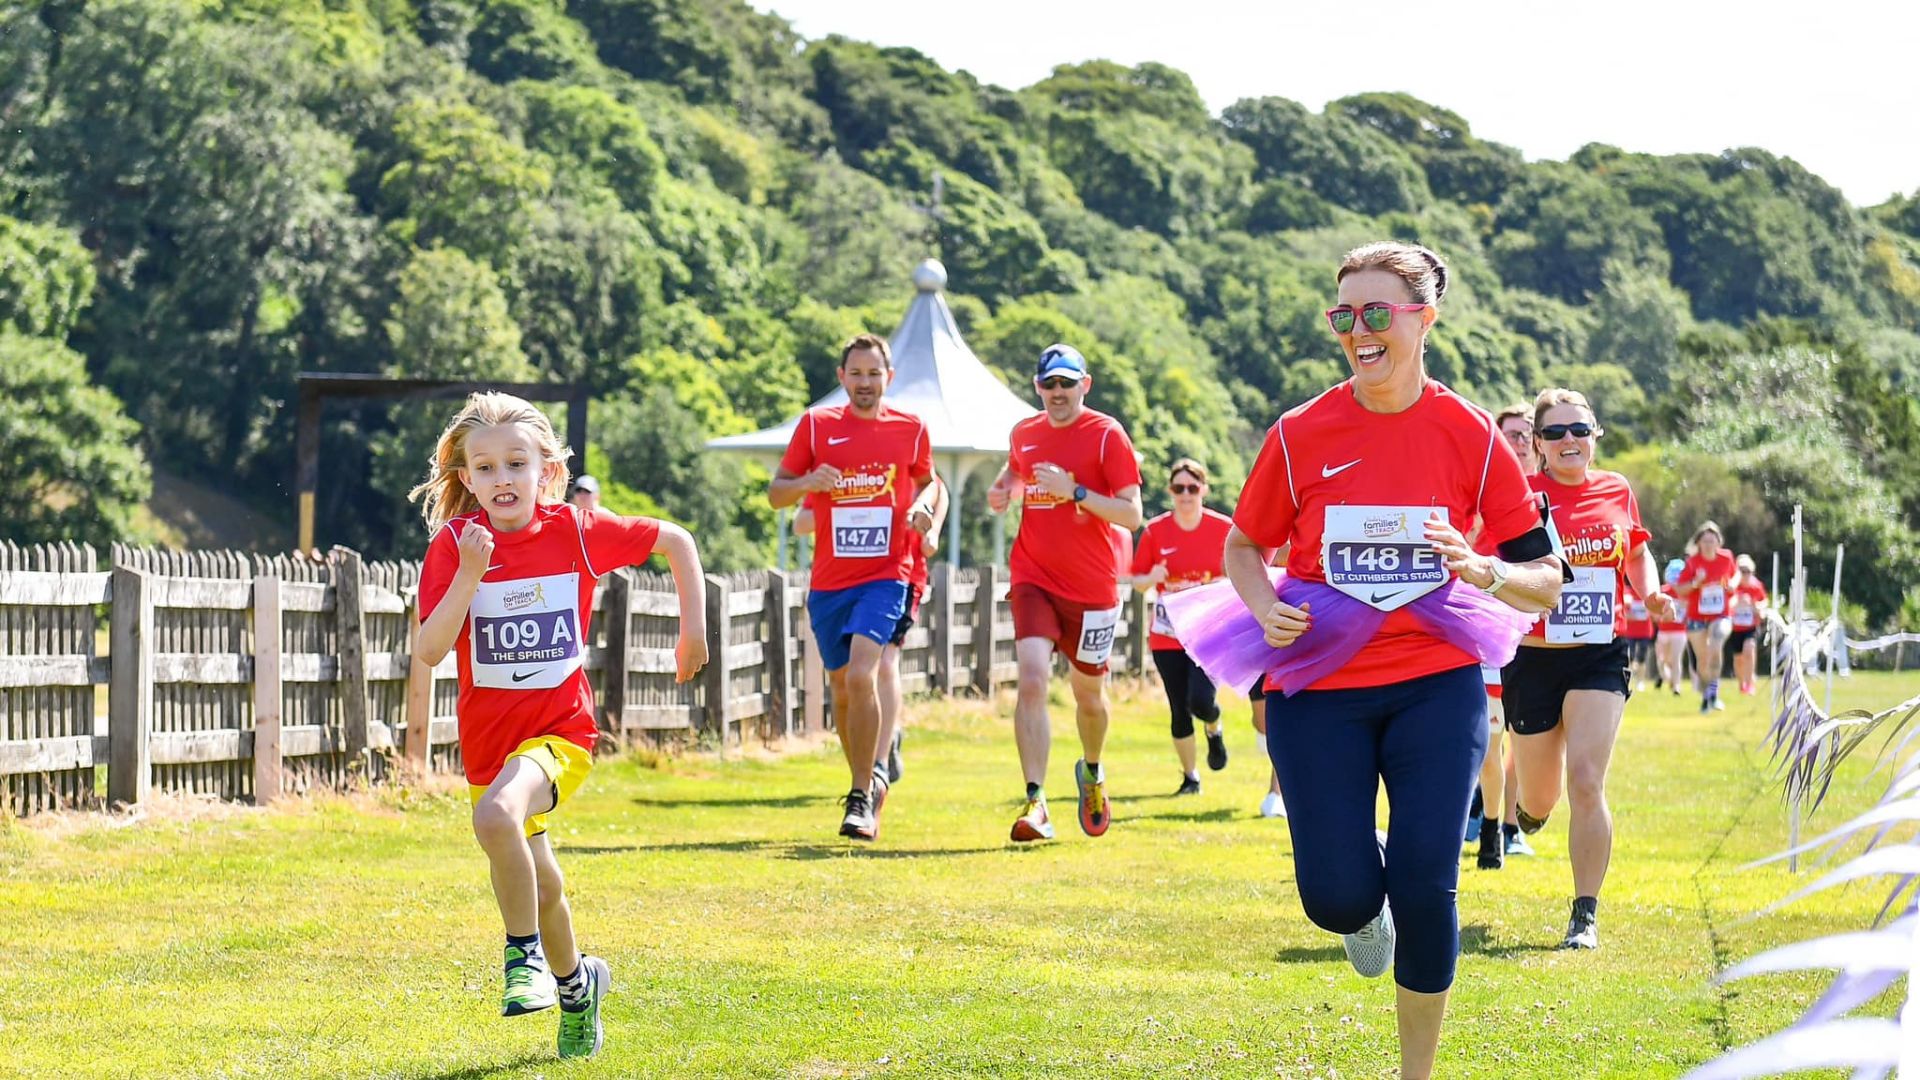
<point>969,412</point>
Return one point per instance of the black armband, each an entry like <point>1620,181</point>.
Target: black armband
<point>1532,545</point>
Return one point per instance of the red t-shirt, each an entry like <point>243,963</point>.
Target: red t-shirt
<point>1713,598</point>
<point>1193,557</point>
<point>1599,525</point>
<point>860,527</point>
<point>1443,451</point>
<point>1635,621</point>
<point>1063,549</point>
<point>1745,601</point>
<point>530,617</point>
<point>1677,625</point>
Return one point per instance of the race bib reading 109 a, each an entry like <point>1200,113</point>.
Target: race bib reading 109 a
<point>526,632</point>
<point>1380,555</point>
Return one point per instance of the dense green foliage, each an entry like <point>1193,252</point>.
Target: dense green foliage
<point>686,205</point>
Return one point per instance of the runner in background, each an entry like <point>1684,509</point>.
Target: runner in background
<point>1497,782</point>
<point>1076,474</point>
<point>1706,582</point>
<point>1670,634</point>
<point>866,472</point>
<point>1636,628</point>
<point>1182,549</point>
<point>1749,605</point>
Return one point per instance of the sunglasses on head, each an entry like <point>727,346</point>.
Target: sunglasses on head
<point>1377,316</point>
<point>1058,382</point>
<point>1556,432</point>
<point>1184,489</point>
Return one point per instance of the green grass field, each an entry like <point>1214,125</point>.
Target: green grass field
<point>356,937</point>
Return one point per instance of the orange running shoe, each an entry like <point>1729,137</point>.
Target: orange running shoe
<point>1095,813</point>
<point>1033,823</point>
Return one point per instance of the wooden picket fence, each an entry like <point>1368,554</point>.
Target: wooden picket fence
<point>248,677</point>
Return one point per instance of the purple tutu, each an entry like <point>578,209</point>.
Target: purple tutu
<point>1227,641</point>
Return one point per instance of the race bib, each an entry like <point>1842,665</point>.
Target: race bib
<point>526,632</point>
<point>1637,611</point>
<point>1096,636</point>
<point>1745,616</point>
<point>1161,624</point>
<point>1380,556</point>
<point>1584,615</point>
<point>862,532</point>
<point>1713,599</point>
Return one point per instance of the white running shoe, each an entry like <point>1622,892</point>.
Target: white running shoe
<point>1273,805</point>
<point>1370,948</point>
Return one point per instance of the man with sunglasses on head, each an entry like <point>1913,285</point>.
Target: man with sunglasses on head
<point>1077,477</point>
<point>865,471</point>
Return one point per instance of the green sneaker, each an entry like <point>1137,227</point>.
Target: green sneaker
<point>529,984</point>
<point>581,1032</point>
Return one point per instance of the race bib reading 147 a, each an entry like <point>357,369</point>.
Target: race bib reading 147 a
<point>1380,555</point>
<point>862,532</point>
<point>526,632</point>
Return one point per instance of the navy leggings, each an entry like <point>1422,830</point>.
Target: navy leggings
<point>1190,693</point>
<point>1332,749</point>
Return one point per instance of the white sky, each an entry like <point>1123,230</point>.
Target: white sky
<point>1835,85</point>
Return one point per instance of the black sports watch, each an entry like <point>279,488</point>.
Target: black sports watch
<point>1079,492</point>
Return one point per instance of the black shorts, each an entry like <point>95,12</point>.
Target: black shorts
<point>1738,640</point>
<point>1536,682</point>
<point>907,618</point>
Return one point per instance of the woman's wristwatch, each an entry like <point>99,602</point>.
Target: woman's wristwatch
<point>1500,571</point>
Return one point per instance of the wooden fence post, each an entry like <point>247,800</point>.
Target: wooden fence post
<point>779,664</point>
<point>718,679</point>
<point>939,609</point>
<point>266,690</point>
<point>1137,623</point>
<point>419,714</point>
<point>813,676</point>
<point>618,613</point>
<point>983,627</point>
<point>130,690</point>
<point>350,625</point>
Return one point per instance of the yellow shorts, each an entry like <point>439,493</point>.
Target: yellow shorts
<point>566,765</point>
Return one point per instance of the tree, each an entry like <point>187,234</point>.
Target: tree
<point>46,279</point>
<point>73,457</point>
<point>1638,320</point>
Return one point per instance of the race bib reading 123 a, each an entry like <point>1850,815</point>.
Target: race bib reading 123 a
<point>526,632</point>
<point>1584,615</point>
<point>1380,555</point>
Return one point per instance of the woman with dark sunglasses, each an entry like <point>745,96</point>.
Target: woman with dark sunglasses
<point>1568,685</point>
<point>1180,550</point>
<point>1374,636</point>
<point>1707,582</point>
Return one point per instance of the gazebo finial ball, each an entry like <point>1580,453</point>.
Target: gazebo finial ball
<point>930,276</point>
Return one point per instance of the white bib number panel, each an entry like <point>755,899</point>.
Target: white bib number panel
<point>526,632</point>
<point>1380,555</point>
<point>1161,623</point>
<point>1097,630</point>
<point>1713,599</point>
<point>862,532</point>
<point>1584,615</point>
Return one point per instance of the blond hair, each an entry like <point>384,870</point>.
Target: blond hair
<point>1190,467</point>
<point>1421,269</point>
<point>445,497</point>
<point>1558,395</point>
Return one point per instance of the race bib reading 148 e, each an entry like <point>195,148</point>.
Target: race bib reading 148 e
<point>1380,555</point>
<point>526,632</point>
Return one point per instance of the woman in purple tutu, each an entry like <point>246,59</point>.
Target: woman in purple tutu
<point>1381,623</point>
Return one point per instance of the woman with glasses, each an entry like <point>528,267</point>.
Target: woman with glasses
<point>1568,685</point>
<point>1375,634</point>
<point>1177,551</point>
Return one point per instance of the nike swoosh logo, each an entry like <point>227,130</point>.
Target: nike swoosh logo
<point>836,442</point>
<point>1581,633</point>
<point>1028,449</point>
<point>523,676</point>
<point>1377,597</point>
<point>1334,470</point>
<point>1168,551</point>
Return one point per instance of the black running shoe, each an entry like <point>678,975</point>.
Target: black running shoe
<point>1216,751</point>
<point>1493,854</point>
<point>1581,931</point>
<point>1189,785</point>
<point>858,824</point>
<point>893,758</point>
